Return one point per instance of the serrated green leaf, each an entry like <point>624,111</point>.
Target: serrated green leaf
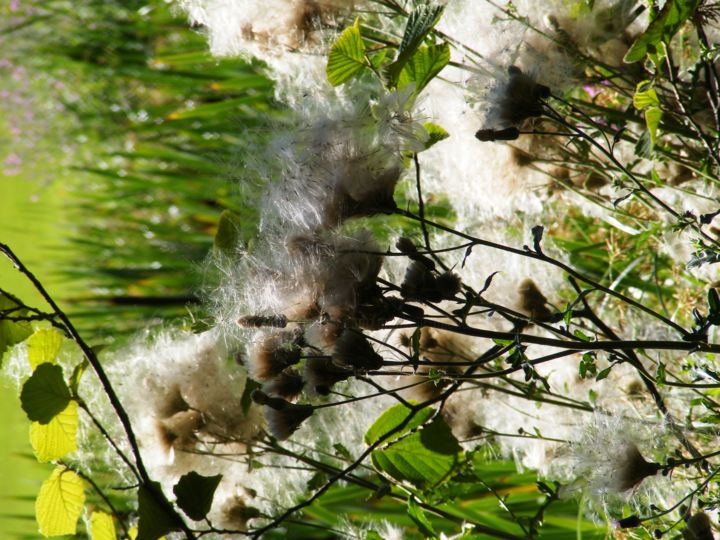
<point>645,96</point>
<point>102,526</point>
<point>60,502</point>
<point>661,29</point>
<point>420,22</point>
<point>347,56</point>
<point>11,332</point>
<point>424,458</point>
<point>653,115</point>
<point>392,418</point>
<point>423,66</point>
<point>227,236</point>
<point>418,515</point>
<point>58,437</point>
<point>195,494</point>
<point>45,393</point>
<point>154,520</point>
<point>43,346</point>
<point>436,134</point>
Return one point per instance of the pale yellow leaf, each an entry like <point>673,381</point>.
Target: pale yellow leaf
<point>53,440</point>
<point>102,526</point>
<point>60,502</point>
<point>43,346</point>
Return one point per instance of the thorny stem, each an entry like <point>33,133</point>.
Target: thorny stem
<point>609,345</point>
<point>685,498</point>
<point>712,152</point>
<point>94,362</point>
<point>634,360</point>
<point>545,258</point>
<point>552,113</point>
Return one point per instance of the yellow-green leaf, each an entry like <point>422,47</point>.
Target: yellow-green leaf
<point>436,133</point>
<point>102,526</point>
<point>43,346</point>
<point>53,440</point>
<point>653,115</point>
<point>60,502</point>
<point>424,65</point>
<point>347,56</point>
<point>645,96</point>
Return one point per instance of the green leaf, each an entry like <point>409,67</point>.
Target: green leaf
<point>43,346</point>
<point>227,237</point>
<point>45,393</point>
<point>660,375</point>
<point>58,437</point>
<point>195,494</point>
<point>644,145</point>
<point>424,65</point>
<point>581,335</point>
<point>425,458</point>
<point>347,56</point>
<point>420,22</point>
<point>668,21</point>
<point>154,520</point>
<point>418,515</point>
<point>392,418</point>
<point>77,375</point>
<point>603,374</point>
<point>246,399</point>
<point>12,332</point>
<point>653,115</point>
<point>102,526</point>
<point>587,365</point>
<point>60,502</point>
<point>645,96</point>
<point>436,134</point>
